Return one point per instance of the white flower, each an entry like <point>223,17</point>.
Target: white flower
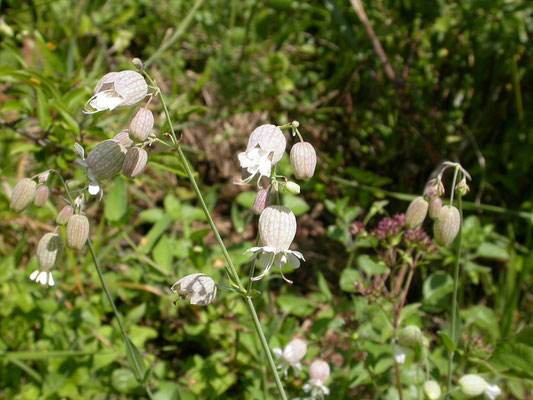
<point>198,289</point>
<point>400,353</point>
<point>277,228</point>
<point>472,385</point>
<point>318,375</point>
<point>266,146</point>
<point>117,89</point>
<point>432,390</point>
<point>492,392</point>
<point>42,277</point>
<point>291,355</point>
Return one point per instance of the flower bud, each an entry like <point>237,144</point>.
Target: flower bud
<point>77,231</point>
<point>416,213</point>
<point>410,336</point>
<point>435,205</point>
<point>295,351</point>
<point>135,162</point>
<point>462,188</point>
<point>23,194</point>
<point>124,138</point>
<point>49,251</point>
<point>277,227</point>
<point>472,385</point>
<point>64,215</point>
<point>319,371</point>
<point>292,187</point>
<point>303,160</point>
<point>198,289</point>
<point>262,200</point>
<point>41,195</point>
<point>141,125</point>
<point>434,188</point>
<point>432,390</point>
<point>105,160</point>
<point>447,225</point>
<point>43,176</point>
<point>138,63</point>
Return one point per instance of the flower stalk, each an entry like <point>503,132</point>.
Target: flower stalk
<point>232,271</point>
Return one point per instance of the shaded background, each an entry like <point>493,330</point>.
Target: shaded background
<point>461,91</point>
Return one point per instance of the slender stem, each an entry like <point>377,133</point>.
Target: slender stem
<point>453,184</point>
<point>398,379</point>
<point>454,299</point>
<point>231,267</point>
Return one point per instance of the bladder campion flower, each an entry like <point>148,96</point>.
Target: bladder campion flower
<point>318,375</point>
<point>117,90</point>
<point>135,162</point>
<point>77,231</point>
<point>198,289</point>
<point>49,252</point>
<point>41,195</point>
<point>303,160</point>
<point>447,225</point>
<point>266,146</point>
<point>291,355</point>
<point>416,212</point>
<point>23,194</point>
<point>277,228</point>
<point>141,124</point>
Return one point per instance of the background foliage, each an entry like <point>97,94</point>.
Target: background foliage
<point>463,92</point>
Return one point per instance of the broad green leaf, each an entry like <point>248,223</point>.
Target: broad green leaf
<point>348,278</point>
<point>116,200</point>
<point>153,235</point>
<point>297,204</point>
<point>514,355</point>
<point>371,265</point>
<point>246,199</point>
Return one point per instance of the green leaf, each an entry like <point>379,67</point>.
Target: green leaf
<point>116,201</point>
<point>237,218</point>
<point>246,199</point>
<point>43,114</point>
<point>154,234</point>
<point>447,342</point>
<point>323,285</point>
<point>297,205</point>
<point>436,289</point>
<point>295,305</point>
<point>514,355</point>
<point>163,252</point>
<point>135,359</point>
<point>124,381</point>
<point>492,251</point>
<point>347,279</point>
<point>371,265</point>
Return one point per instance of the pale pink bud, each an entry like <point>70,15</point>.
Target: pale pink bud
<point>41,195</point>
<point>303,160</point>
<point>23,194</point>
<point>43,176</point>
<point>277,227</point>
<point>135,162</point>
<point>269,138</point>
<point>319,371</point>
<point>435,204</point>
<point>77,231</point>
<point>64,215</point>
<point>198,289</point>
<point>416,213</point>
<point>262,200</point>
<point>447,225</point>
<point>141,125</point>
<point>123,138</point>
<point>295,351</point>
<point>105,160</point>
<point>49,251</point>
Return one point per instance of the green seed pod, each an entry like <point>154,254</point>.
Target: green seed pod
<point>41,195</point>
<point>105,160</point>
<point>447,225</point>
<point>135,162</point>
<point>472,385</point>
<point>410,336</point>
<point>23,194</point>
<point>77,231</point>
<point>416,213</point>
<point>64,215</point>
<point>435,204</point>
<point>303,160</point>
<point>49,251</point>
<point>141,125</point>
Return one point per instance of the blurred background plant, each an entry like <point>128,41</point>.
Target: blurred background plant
<point>461,90</point>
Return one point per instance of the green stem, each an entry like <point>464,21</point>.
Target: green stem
<point>231,267</point>
<point>398,380</point>
<point>454,299</point>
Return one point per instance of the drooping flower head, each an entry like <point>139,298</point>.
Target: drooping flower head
<point>291,355</point>
<point>318,375</point>
<point>277,228</point>
<point>266,147</point>
<point>198,289</point>
<point>49,253</point>
<point>117,90</point>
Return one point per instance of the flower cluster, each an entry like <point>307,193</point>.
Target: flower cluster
<point>277,224</point>
<point>126,151</point>
<point>50,247</point>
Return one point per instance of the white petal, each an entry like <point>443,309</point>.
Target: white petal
<point>400,354</point>
<point>106,100</point>
<point>41,278</point>
<point>278,353</point>
<point>265,168</point>
<point>34,274</point>
<point>293,260</point>
<point>94,188</point>
<point>51,279</point>
<point>266,260</point>
<point>492,392</point>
